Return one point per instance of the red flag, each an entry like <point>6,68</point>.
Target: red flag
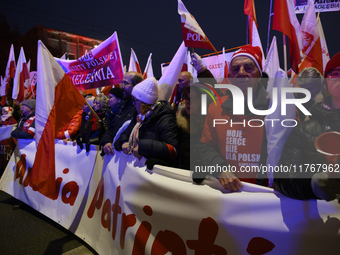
<point>249,9</point>
<point>285,21</point>
<point>193,35</point>
<point>134,64</point>
<point>9,74</point>
<point>21,75</point>
<point>57,102</point>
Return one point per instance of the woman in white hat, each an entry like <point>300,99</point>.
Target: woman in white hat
<point>153,133</point>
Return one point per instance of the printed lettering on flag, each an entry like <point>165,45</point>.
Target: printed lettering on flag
<point>193,35</point>
<point>101,66</point>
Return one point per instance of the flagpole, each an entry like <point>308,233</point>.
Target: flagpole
<point>284,52</point>
<point>247,30</point>
<point>270,18</point>
<point>95,114</point>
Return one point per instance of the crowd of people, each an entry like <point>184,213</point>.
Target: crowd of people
<point>132,119</point>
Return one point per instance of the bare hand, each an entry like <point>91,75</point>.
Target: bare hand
<point>66,140</point>
<point>135,153</point>
<point>229,181</point>
<point>126,148</point>
<point>108,149</point>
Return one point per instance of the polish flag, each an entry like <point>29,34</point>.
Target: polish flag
<point>9,74</point>
<point>249,9</point>
<point>286,22</point>
<point>311,50</point>
<point>58,100</point>
<point>21,76</point>
<point>134,64</point>
<point>272,65</point>
<point>225,79</point>
<point>324,48</point>
<point>148,71</point>
<point>167,82</point>
<point>193,35</point>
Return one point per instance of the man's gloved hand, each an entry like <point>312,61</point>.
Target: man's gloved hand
<point>325,187</point>
<point>79,140</point>
<point>197,62</point>
<point>153,161</point>
<point>87,146</point>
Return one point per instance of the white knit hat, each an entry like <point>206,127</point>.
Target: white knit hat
<point>146,91</point>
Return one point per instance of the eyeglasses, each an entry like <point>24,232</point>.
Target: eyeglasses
<point>125,84</point>
<point>248,68</point>
<point>334,75</point>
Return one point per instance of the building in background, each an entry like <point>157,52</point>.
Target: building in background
<point>58,42</point>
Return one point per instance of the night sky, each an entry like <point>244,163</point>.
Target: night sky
<point>154,26</point>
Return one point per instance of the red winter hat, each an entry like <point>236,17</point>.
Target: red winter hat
<point>252,52</point>
<point>332,63</point>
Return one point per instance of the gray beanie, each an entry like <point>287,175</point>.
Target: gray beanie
<point>30,103</point>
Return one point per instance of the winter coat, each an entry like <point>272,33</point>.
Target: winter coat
<point>26,127</point>
<point>125,113</point>
<point>299,150</point>
<point>158,135</point>
<point>71,130</point>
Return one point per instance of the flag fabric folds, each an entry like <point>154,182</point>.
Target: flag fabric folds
<point>249,10</point>
<point>148,71</point>
<point>193,35</point>
<point>9,74</point>
<point>20,78</point>
<point>134,64</point>
<point>58,100</point>
<point>324,48</point>
<point>286,22</point>
<point>311,50</point>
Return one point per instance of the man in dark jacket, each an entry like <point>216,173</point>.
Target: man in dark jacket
<point>308,176</point>
<point>26,127</point>
<point>127,111</point>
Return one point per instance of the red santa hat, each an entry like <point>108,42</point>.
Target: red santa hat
<point>252,52</point>
<point>332,63</point>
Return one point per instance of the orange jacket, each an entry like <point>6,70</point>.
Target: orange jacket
<point>72,128</point>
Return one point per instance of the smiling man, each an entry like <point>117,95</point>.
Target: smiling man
<point>233,147</point>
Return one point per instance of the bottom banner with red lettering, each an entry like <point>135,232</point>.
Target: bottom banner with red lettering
<point>118,206</point>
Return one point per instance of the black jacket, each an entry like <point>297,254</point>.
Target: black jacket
<point>156,132</point>
<point>299,150</point>
<point>127,111</point>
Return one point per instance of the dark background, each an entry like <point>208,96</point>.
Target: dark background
<point>151,26</point>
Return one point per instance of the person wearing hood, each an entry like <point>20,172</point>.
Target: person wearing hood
<point>153,132</point>
<point>26,127</point>
<point>299,151</point>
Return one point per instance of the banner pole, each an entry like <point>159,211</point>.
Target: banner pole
<point>284,52</point>
<point>270,18</point>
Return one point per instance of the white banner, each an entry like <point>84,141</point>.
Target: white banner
<point>320,5</point>
<point>122,208</point>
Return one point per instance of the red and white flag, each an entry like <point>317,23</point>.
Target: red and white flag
<point>21,76</point>
<point>193,35</point>
<point>9,74</point>
<point>286,22</point>
<point>148,71</point>
<point>256,41</point>
<point>249,9</point>
<point>324,48</point>
<point>311,50</point>
<point>225,78</point>
<point>58,100</point>
<point>134,64</point>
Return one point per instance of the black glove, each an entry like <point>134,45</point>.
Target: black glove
<point>197,177</point>
<point>153,161</point>
<point>79,140</point>
<point>87,146</point>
